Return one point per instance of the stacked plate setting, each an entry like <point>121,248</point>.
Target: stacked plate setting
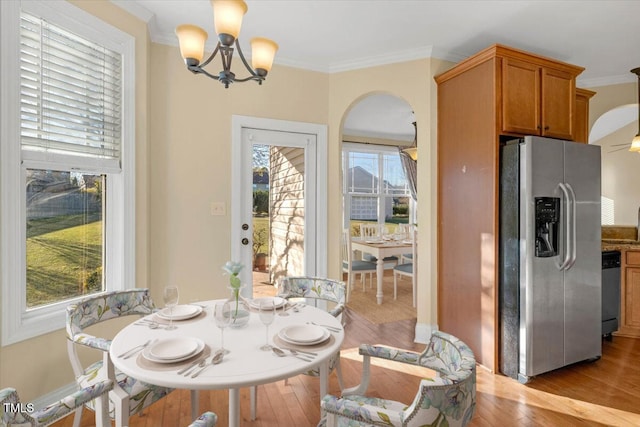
<point>180,312</point>
<point>304,334</point>
<point>278,302</point>
<point>171,350</point>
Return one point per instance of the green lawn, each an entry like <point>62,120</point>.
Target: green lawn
<point>64,263</point>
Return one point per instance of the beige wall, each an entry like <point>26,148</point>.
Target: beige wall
<point>620,168</point>
<point>190,158</point>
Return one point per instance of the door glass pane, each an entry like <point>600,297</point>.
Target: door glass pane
<point>278,212</point>
<point>65,238</point>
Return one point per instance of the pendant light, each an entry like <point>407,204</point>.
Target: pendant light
<point>413,150</point>
<point>635,144</point>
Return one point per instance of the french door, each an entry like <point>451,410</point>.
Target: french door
<point>278,199</point>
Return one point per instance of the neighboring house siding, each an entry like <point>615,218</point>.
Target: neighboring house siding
<point>287,212</point>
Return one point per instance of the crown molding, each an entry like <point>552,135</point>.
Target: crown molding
<point>606,81</point>
<point>422,52</point>
<point>135,9</point>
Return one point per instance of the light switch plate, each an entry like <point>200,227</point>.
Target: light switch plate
<point>218,208</point>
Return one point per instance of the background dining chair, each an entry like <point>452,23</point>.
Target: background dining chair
<point>325,294</point>
<point>129,396</point>
<point>407,231</point>
<point>408,269</point>
<point>13,413</point>
<point>354,266</point>
<point>448,399</point>
<point>368,230</point>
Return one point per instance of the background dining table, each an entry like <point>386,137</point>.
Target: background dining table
<point>381,249</point>
<point>246,364</point>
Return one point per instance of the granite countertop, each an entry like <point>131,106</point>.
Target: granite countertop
<point>620,244</point>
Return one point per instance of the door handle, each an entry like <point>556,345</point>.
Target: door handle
<point>572,226</point>
<point>567,233</point>
<point>245,241</point>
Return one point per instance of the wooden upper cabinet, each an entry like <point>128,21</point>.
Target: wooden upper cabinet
<point>537,100</point>
<point>581,121</point>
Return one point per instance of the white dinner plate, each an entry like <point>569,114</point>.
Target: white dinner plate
<point>278,302</point>
<point>374,241</point>
<point>173,348</point>
<point>180,312</point>
<point>304,334</point>
<point>199,347</point>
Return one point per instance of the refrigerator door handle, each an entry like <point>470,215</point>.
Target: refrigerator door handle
<point>572,226</point>
<point>567,233</point>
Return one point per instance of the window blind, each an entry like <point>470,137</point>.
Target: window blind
<point>70,94</point>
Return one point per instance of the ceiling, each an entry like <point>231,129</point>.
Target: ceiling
<point>332,36</point>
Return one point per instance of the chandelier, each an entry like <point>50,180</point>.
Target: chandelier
<point>227,19</point>
<point>635,144</point>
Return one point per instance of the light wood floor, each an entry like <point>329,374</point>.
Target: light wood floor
<point>602,393</point>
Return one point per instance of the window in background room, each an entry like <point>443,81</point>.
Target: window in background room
<point>374,188</point>
<point>68,166</point>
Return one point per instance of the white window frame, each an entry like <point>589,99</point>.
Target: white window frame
<point>18,323</point>
<point>348,147</point>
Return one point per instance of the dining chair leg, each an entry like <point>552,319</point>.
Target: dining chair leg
<point>395,285</point>
<point>339,373</point>
<point>77,416</point>
<point>101,411</point>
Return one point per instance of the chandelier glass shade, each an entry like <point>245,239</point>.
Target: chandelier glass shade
<point>227,17</point>
<point>412,151</point>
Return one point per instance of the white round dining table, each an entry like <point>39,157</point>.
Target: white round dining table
<point>245,365</point>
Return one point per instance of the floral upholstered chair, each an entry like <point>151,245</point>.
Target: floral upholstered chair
<point>14,413</point>
<point>317,291</point>
<point>208,419</point>
<point>326,294</point>
<point>448,399</point>
<point>129,396</point>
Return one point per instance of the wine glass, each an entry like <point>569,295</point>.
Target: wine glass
<point>171,300</point>
<point>222,317</point>
<point>267,314</point>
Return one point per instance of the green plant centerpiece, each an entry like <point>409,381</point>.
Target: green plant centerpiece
<point>239,311</point>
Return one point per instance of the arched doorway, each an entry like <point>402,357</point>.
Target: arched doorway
<point>377,191</point>
<point>613,131</point>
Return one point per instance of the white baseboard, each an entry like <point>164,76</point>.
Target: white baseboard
<point>53,396</point>
<point>423,332</point>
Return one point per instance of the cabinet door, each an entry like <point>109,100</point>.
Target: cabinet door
<point>520,97</point>
<point>631,301</point>
<point>581,117</point>
<point>558,104</point>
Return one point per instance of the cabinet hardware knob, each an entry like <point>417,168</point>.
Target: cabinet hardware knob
<point>245,241</point>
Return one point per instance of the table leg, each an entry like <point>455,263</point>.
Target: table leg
<point>195,410</point>
<point>324,379</point>
<point>234,407</point>
<point>380,274</point>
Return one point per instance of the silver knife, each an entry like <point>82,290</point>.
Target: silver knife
<point>192,365</point>
<point>133,350</point>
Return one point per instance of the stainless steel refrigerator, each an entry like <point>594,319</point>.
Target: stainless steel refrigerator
<point>550,255</point>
